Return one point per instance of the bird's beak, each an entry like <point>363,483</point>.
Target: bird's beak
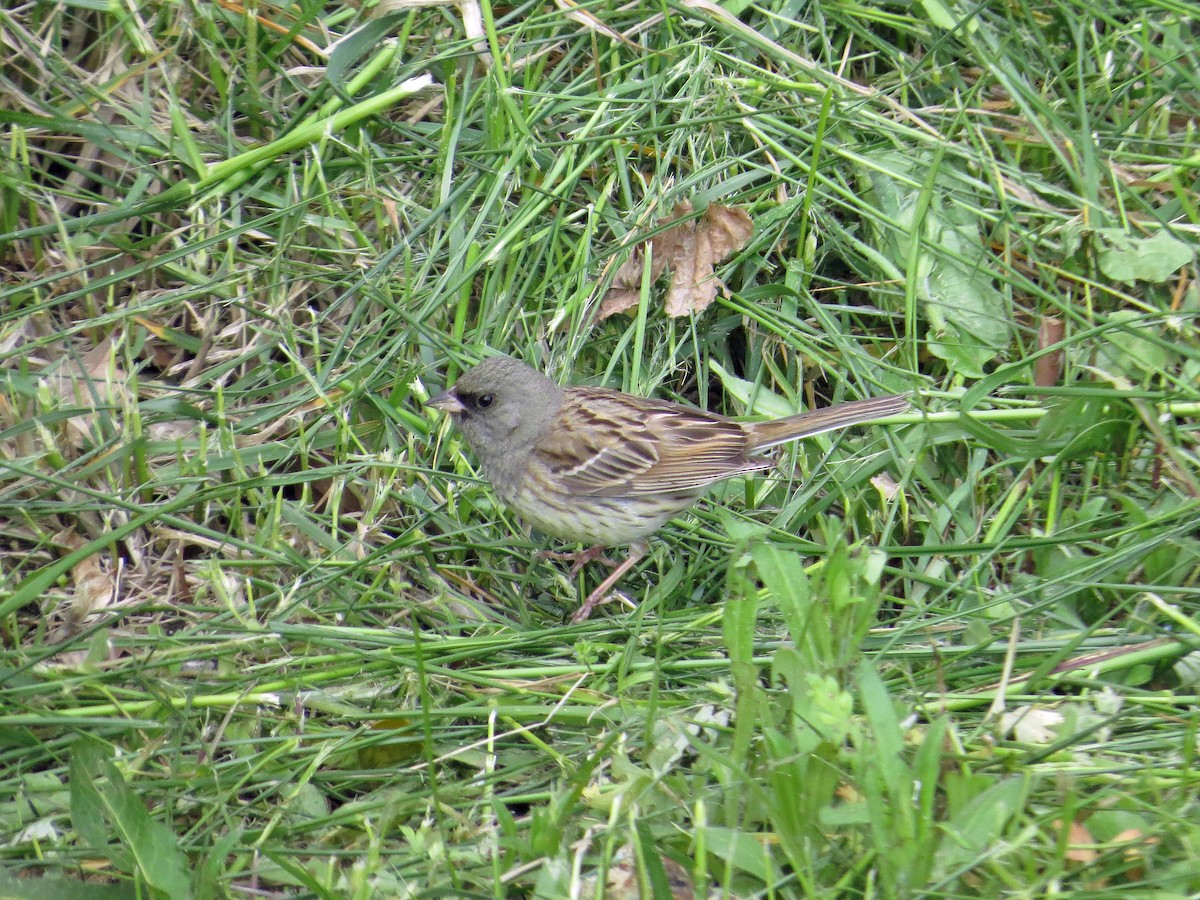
<point>447,402</point>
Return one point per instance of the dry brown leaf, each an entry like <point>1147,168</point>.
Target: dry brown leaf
<point>9,417</point>
<point>679,880</point>
<point>691,249</point>
<point>179,430</point>
<point>1134,853</point>
<point>622,879</point>
<point>695,249</point>
<point>1130,836</point>
<point>88,382</point>
<point>1080,843</point>
<point>625,289</point>
<point>623,883</point>
<point>848,793</point>
<point>95,589</point>
<point>727,229</point>
<point>886,485</point>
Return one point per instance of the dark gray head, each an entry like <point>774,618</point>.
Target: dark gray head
<point>501,406</point>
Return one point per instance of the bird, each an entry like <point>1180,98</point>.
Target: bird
<point>608,469</point>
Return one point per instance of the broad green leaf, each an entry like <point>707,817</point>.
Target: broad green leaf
<point>885,727</point>
<point>1080,428</point>
<point>745,851</point>
<point>1128,258</point>
<point>354,46</point>
<point>939,15</point>
<point>757,398</point>
<point>974,830</point>
<point>970,320</point>
<point>62,889</point>
<point>87,807</point>
<point>1132,347</point>
<point>782,574</point>
<point>103,804</point>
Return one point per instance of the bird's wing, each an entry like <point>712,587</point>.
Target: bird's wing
<point>606,444</point>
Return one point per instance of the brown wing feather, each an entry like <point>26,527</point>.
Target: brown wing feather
<point>608,444</point>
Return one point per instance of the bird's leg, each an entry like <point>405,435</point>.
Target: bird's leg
<point>580,558</point>
<point>636,551</point>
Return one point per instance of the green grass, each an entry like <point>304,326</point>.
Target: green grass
<point>263,630</point>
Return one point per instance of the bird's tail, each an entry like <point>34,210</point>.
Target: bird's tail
<point>791,428</point>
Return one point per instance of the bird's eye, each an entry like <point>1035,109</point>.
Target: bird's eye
<point>485,400</point>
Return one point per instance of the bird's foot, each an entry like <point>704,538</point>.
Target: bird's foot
<point>602,593</point>
<point>580,558</point>
<point>595,598</point>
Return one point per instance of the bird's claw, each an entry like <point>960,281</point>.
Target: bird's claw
<point>580,558</point>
